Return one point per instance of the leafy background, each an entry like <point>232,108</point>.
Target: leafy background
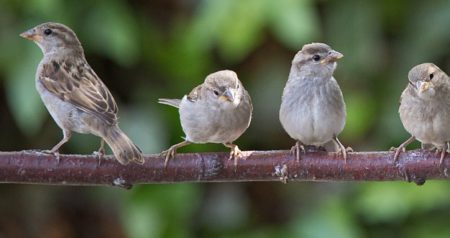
<point>149,49</point>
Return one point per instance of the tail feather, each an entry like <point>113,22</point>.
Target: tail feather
<point>170,102</point>
<point>123,148</point>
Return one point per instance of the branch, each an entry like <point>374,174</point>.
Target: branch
<point>40,168</point>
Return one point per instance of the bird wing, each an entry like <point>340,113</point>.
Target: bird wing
<point>194,95</point>
<point>77,83</point>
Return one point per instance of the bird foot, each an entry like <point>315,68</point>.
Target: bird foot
<point>443,154</point>
<point>236,154</point>
<point>349,149</point>
<point>169,154</point>
<point>343,152</point>
<point>397,152</point>
<point>296,150</point>
<point>52,152</point>
<point>99,154</point>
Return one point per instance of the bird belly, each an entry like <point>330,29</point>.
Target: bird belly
<point>212,125</point>
<point>66,115</point>
<point>427,129</point>
<point>310,125</point>
<point>429,133</point>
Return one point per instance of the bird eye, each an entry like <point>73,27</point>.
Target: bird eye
<point>316,57</point>
<point>47,31</point>
<point>431,76</point>
<point>216,92</point>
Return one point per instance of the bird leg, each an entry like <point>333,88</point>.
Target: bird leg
<point>235,153</point>
<point>55,150</point>
<point>170,153</point>
<point>443,153</point>
<point>342,148</point>
<point>100,152</point>
<point>299,146</point>
<point>402,147</point>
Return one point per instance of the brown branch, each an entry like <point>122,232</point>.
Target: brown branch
<point>40,168</point>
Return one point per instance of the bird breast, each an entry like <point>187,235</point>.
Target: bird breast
<point>204,122</point>
<point>427,120</point>
<point>312,111</point>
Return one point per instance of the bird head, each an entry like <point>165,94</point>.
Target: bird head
<point>53,37</point>
<point>426,79</point>
<point>224,88</point>
<point>317,58</point>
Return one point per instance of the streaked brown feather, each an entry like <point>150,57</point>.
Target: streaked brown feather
<point>194,95</point>
<point>82,88</point>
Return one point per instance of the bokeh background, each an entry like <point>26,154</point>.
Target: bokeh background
<point>148,49</point>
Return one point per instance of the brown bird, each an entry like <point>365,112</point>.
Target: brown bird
<point>312,107</point>
<point>425,108</point>
<point>217,111</point>
<point>74,95</point>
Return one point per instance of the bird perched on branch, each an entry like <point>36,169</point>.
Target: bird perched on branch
<point>217,111</point>
<point>312,109</point>
<point>425,108</point>
<point>74,95</point>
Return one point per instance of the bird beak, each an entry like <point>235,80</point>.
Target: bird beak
<point>333,56</point>
<point>424,86</point>
<point>228,95</point>
<point>31,35</point>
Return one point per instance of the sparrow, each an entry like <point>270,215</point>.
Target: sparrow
<point>312,106</point>
<point>216,111</point>
<point>425,109</point>
<point>74,95</point>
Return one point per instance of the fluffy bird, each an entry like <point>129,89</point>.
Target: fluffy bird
<point>425,108</point>
<point>74,95</point>
<point>312,109</point>
<point>217,111</point>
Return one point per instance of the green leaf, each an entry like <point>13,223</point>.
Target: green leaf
<point>294,22</point>
<point>360,114</point>
<point>113,31</point>
<point>234,26</point>
<point>331,219</point>
<point>395,201</point>
<point>23,99</point>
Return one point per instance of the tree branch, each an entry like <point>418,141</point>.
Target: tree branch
<point>40,168</point>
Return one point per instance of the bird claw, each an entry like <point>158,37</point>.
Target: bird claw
<point>344,154</point>
<point>349,149</point>
<point>296,150</point>
<point>443,154</point>
<point>99,154</point>
<point>169,154</point>
<point>397,152</point>
<point>51,152</point>
<point>236,154</point>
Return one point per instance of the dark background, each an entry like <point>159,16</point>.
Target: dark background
<point>144,50</point>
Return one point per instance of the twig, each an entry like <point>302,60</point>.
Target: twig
<point>40,168</point>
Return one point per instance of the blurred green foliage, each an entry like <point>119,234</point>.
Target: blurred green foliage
<point>149,49</point>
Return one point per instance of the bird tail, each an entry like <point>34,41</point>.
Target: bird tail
<point>170,102</point>
<point>122,147</point>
